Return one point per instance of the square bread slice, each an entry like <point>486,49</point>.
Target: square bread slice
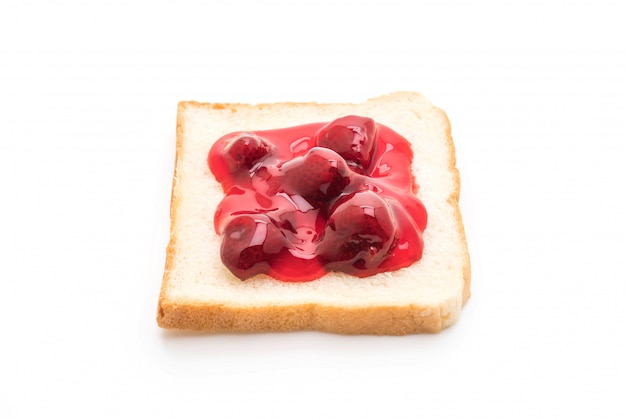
<point>199,293</point>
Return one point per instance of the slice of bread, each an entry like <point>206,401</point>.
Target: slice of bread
<point>199,293</point>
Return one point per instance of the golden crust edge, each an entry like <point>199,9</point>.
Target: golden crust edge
<point>453,199</point>
<point>378,320</point>
<point>170,251</point>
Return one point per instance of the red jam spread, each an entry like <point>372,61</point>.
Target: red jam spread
<point>306,200</point>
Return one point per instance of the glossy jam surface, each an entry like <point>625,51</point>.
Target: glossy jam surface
<point>309,199</point>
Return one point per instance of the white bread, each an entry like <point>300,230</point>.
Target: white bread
<point>199,293</point>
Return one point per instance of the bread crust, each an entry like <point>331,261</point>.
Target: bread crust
<point>376,320</point>
<point>453,199</point>
<point>380,320</point>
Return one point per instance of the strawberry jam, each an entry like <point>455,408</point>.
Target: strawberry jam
<point>310,199</point>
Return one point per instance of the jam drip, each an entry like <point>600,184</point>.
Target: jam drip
<point>306,200</point>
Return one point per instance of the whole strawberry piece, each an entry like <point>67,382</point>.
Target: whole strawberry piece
<point>318,175</point>
<point>360,234</point>
<point>245,151</point>
<point>249,243</point>
<point>352,137</point>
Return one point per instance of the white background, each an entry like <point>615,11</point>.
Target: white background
<point>536,93</point>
